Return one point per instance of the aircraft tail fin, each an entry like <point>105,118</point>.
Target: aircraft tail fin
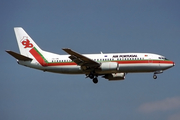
<point>25,42</point>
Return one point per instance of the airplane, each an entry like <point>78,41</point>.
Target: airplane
<point>111,66</point>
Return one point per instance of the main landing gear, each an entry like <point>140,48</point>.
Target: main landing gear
<point>95,80</point>
<point>93,77</point>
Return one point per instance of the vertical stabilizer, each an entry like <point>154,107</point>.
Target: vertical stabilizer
<point>25,42</point>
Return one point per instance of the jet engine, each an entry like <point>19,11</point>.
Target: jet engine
<point>109,67</point>
<point>115,76</point>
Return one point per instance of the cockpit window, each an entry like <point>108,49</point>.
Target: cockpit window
<point>163,58</point>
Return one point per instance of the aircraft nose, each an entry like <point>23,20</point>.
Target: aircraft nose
<point>168,64</point>
<point>173,63</point>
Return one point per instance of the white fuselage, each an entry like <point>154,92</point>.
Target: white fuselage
<point>128,62</point>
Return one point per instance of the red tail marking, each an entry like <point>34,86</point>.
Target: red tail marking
<point>27,43</point>
<point>38,57</point>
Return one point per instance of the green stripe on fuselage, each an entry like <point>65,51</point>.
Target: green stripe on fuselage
<point>41,55</point>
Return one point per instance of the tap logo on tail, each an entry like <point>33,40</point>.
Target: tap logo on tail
<point>25,41</point>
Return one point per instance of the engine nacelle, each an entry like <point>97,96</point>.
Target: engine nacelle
<point>115,76</point>
<point>109,67</point>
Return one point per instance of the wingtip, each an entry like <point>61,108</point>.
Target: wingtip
<point>8,51</point>
<point>66,49</point>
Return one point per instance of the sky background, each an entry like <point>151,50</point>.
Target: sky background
<point>90,26</point>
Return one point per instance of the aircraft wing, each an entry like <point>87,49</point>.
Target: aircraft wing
<point>80,59</point>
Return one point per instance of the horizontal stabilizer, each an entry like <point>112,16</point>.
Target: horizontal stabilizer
<point>18,56</point>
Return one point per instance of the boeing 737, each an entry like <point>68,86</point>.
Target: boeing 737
<point>111,66</point>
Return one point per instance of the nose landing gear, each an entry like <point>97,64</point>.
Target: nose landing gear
<point>157,72</point>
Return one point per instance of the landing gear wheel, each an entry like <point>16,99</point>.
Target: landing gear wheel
<point>95,80</point>
<point>91,76</point>
<point>155,76</point>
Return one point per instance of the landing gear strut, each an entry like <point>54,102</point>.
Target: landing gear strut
<point>157,72</point>
<point>93,76</point>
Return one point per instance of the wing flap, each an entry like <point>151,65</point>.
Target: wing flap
<point>81,59</point>
<point>18,56</point>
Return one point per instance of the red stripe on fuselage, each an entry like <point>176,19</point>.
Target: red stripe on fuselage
<point>61,64</point>
<point>37,57</point>
<point>119,62</point>
<point>145,61</point>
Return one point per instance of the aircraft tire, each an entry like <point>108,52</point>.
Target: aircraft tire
<point>95,80</point>
<point>91,76</point>
<point>155,76</point>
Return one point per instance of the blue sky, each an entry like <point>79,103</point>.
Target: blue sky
<point>90,27</point>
